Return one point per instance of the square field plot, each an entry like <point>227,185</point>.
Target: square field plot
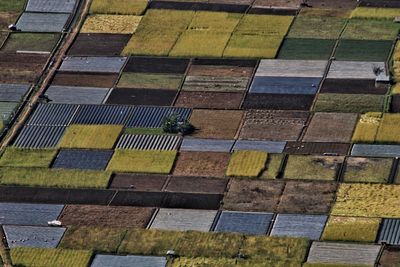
<point>316,27</point>
<point>91,136</point>
<point>76,95</point>
<point>124,7</point>
<point>98,44</point>
<point>146,161</point>
<point>246,163</point>
<point>363,50</point>
<point>390,256</point>
<point>142,97</point>
<point>150,80</point>
<point>119,24</point>
<point>324,127</point>
<point>82,159</point>
<point>40,42</point>
<point>307,197</point>
<point>15,157</point>
<point>298,225</point>
<point>28,214</point>
<point>370,170</point>
<point>196,185</point>
<point>209,100</point>
<point>42,22</point>
<point>292,68</point>
<point>251,195</point>
<point>33,236</point>
<point>211,164</point>
<point>249,223</point>
<point>362,29</point>
<point>59,6</point>
<point>13,92</point>
<point>273,125</point>
<point>106,216</point>
<point>218,124</point>
<point>302,48</point>
<point>93,64</point>
<point>184,219</point>
<point>138,182</point>
<point>128,260</point>
<point>351,103</point>
<point>99,80</point>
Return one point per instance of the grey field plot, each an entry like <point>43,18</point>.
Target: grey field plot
<point>7,109</point>
<point>128,260</point>
<point>299,225</point>
<point>375,150</point>
<point>249,223</point>
<point>32,136</point>
<point>149,142</point>
<point>390,232</point>
<point>220,84</point>
<point>51,6</point>
<point>13,92</point>
<point>354,70</point>
<point>28,214</point>
<point>285,85</point>
<point>152,117</point>
<point>102,114</point>
<point>268,146</point>
<point>42,22</point>
<point>200,144</point>
<point>343,253</point>
<point>76,95</point>
<point>184,219</point>
<point>33,236</point>
<point>93,64</point>
<point>83,159</point>
<point>291,68</point>
<point>53,115</point>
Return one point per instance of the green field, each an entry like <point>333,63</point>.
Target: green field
<point>367,170</point>
<point>120,7</point>
<point>43,42</point>
<point>245,163</point>
<point>307,49</point>
<point>316,27</point>
<point>17,157</point>
<point>202,262</point>
<point>368,29</point>
<point>12,6</point>
<point>151,81</point>
<point>363,50</point>
<point>351,103</point>
<point>272,166</point>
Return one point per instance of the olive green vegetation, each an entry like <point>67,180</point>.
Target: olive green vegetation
<point>307,49</point>
<point>221,22</point>
<point>363,50</point>
<point>368,29</point>
<point>91,136</point>
<point>389,129</point>
<point>367,127</point>
<point>147,161</point>
<point>99,239</point>
<point>45,177</point>
<point>325,12</point>
<point>7,18</point>
<point>7,109</point>
<point>120,7</point>
<point>316,27</point>
<point>18,157</point>
<point>271,25</point>
<point>44,42</point>
<point>203,262</point>
<point>308,264</point>
<point>352,103</point>
<point>367,170</point>
<point>151,81</point>
<point>354,229</point>
<point>272,167</point>
<point>150,131</point>
<point>117,24</point>
<point>246,163</point>
<point>312,167</point>
<point>12,6</point>
<point>50,257</point>
<point>375,13</point>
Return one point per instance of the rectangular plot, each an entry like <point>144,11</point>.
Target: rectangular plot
<point>32,136</point>
<point>128,260</point>
<point>194,144</point>
<point>291,68</point>
<point>93,64</point>
<point>156,65</point>
<point>82,159</point>
<point>352,103</point>
<point>98,44</point>
<point>102,114</point>
<point>278,102</point>
<point>361,50</point>
<point>149,142</point>
<point>375,150</point>
<point>76,95</point>
<point>28,214</point>
<point>343,253</point>
<point>390,232</point>
<point>380,3</point>
<point>354,70</point>
<point>141,97</point>
<point>220,70</point>
<point>353,86</point>
<point>184,219</point>
<point>151,117</point>
<point>7,110</point>
<point>209,100</point>
<point>311,49</point>
<point>298,225</point>
<point>286,85</point>
<point>42,22</point>
<point>13,92</point>
<point>268,146</point>
<point>51,6</point>
<point>138,182</point>
<point>102,80</point>
<point>33,236</point>
<point>390,255</point>
<point>52,115</point>
<point>196,185</point>
<point>214,83</point>
<point>249,223</point>
<point>316,148</point>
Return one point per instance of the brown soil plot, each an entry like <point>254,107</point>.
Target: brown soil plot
<point>139,182</point>
<point>197,185</point>
<point>390,257</point>
<point>278,101</point>
<point>85,79</point>
<point>93,44</point>
<point>209,100</point>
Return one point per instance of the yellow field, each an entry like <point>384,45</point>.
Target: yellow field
<point>246,163</point>
<point>121,24</point>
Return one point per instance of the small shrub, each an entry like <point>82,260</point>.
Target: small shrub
<point>175,124</point>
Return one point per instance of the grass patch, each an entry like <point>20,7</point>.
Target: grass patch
<point>363,50</point>
<point>325,12</point>
<point>308,264</point>
<point>203,262</point>
<point>272,166</point>
<point>316,27</point>
<point>396,63</point>
<point>151,131</point>
<point>389,129</point>
<point>308,49</point>
<point>54,177</point>
<point>149,80</point>
<point>50,257</point>
<point>122,24</point>
<point>91,136</point>
<point>120,7</point>
<point>367,170</point>
<point>312,167</point>
<point>367,200</point>
<point>17,157</point>
<point>99,239</point>
<point>12,6</point>
<point>252,24</point>
<point>352,103</point>
<point>245,163</point>
<point>142,161</point>
<point>31,42</point>
<point>351,229</point>
<point>367,128</point>
<point>375,13</point>
<point>363,29</point>
<point>221,22</point>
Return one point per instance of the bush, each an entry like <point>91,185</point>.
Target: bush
<point>175,124</point>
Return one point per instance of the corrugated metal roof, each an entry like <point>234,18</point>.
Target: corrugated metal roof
<point>149,142</point>
<point>33,236</point>
<point>42,22</point>
<point>390,232</point>
<point>58,6</point>
<point>354,69</point>
<point>129,260</point>
<point>249,223</point>
<point>82,159</point>
<point>102,114</point>
<point>151,117</point>
<point>28,214</point>
<point>13,92</point>
<point>93,64</point>
<point>53,114</point>
<point>76,95</point>
<point>268,146</point>
<point>32,136</point>
<point>285,85</point>
<point>375,150</point>
<point>291,68</point>
<point>200,144</point>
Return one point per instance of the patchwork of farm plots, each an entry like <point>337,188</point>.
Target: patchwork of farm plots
<point>294,155</point>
